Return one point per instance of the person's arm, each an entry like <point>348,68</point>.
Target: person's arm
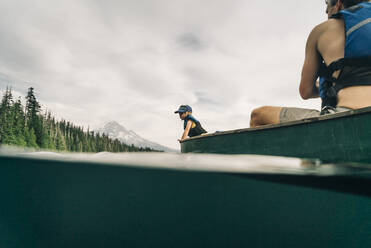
<point>186,130</point>
<point>308,84</point>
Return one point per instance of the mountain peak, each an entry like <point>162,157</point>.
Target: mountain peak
<point>112,123</point>
<point>116,131</point>
<point>114,127</point>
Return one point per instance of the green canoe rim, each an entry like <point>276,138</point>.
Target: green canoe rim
<point>349,113</point>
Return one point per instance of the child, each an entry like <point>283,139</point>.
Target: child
<point>192,127</point>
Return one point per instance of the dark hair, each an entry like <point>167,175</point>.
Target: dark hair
<point>350,3</point>
<point>332,2</point>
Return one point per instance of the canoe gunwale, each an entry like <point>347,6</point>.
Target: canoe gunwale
<point>349,113</point>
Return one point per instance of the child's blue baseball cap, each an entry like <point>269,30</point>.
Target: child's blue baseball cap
<point>183,109</point>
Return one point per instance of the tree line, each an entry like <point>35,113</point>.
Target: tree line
<point>27,126</point>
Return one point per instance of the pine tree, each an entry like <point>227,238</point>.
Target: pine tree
<point>6,119</point>
<point>33,120</point>
<point>31,138</point>
<point>5,102</point>
<point>45,138</point>
<point>60,143</point>
<point>19,123</point>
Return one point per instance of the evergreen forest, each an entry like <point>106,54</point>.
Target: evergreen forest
<point>28,126</point>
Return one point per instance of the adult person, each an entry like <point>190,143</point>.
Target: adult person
<point>338,51</point>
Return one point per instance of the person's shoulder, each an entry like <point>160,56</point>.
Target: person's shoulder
<point>323,27</point>
<point>192,118</point>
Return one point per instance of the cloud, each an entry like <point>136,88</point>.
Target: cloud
<point>190,41</point>
<point>137,61</point>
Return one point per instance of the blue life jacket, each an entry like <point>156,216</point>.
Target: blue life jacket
<point>322,89</point>
<point>356,65</point>
<point>196,128</point>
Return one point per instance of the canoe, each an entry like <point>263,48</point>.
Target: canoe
<point>340,137</point>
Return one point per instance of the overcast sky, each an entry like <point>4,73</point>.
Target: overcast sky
<point>136,61</point>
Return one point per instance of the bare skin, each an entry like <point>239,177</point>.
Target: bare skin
<point>182,116</point>
<point>326,42</point>
<point>265,115</point>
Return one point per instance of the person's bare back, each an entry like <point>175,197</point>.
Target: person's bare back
<point>330,44</point>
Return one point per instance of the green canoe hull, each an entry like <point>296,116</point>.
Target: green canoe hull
<point>342,137</point>
<point>58,204</point>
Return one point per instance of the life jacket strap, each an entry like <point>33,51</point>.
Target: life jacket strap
<point>327,71</point>
<point>333,85</point>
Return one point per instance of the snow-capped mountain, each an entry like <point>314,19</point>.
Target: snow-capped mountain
<point>116,131</point>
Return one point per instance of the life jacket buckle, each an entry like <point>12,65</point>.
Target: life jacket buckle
<point>328,110</point>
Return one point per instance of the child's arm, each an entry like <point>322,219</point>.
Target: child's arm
<point>186,130</point>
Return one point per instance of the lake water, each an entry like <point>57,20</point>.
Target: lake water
<point>181,200</point>
<point>198,162</point>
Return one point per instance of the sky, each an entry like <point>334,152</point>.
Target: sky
<point>136,61</point>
